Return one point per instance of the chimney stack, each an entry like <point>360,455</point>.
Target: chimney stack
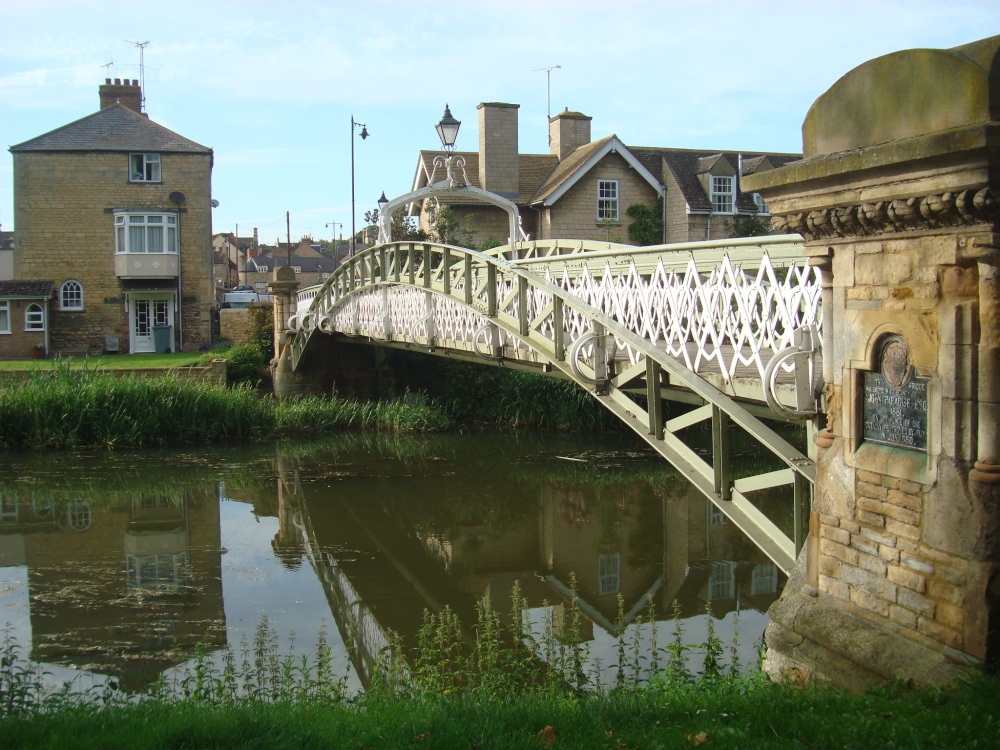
<point>127,92</point>
<point>498,164</point>
<point>567,132</point>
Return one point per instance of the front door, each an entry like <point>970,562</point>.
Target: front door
<point>147,313</point>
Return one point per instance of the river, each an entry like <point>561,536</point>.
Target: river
<point>117,566</point>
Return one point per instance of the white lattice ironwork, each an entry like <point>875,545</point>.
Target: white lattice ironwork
<point>616,320</point>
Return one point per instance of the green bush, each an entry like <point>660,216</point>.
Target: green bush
<point>246,363</point>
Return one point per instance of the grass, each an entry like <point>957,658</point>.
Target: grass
<point>492,694</point>
<point>108,362</point>
<point>66,407</point>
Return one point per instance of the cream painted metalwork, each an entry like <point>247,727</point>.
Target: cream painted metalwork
<point>622,322</point>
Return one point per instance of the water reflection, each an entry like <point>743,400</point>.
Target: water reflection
<point>128,562</point>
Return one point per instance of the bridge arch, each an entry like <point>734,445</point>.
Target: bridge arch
<point>450,293</point>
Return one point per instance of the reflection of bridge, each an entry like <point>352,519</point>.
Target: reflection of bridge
<point>727,329</point>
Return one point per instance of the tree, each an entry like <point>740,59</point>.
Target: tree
<point>647,223</point>
<point>402,227</point>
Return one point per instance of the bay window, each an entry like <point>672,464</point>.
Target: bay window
<point>145,233</point>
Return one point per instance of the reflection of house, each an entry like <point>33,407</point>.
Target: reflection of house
<point>583,189</point>
<point>127,589</point>
<point>116,210</point>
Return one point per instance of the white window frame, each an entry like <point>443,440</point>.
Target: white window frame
<point>723,193</point>
<point>4,316</point>
<point>764,579</point>
<point>607,200</point>
<point>144,167</point>
<point>34,317</point>
<point>260,286</point>
<point>761,204</point>
<point>609,568</point>
<point>129,238</point>
<point>261,269</point>
<point>71,295</point>
<point>722,582</point>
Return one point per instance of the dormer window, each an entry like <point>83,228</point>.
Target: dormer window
<point>761,205</point>
<point>722,194</point>
<point>144,167</point>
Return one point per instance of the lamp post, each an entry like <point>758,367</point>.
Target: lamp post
<point>364,134</point>
<point>381,206</point>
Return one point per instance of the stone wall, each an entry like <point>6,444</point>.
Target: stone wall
<point>575,214</point>
<point>897,201</point>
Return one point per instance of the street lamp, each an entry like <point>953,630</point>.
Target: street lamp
<point>382,204</point>
<point>364,134</point>
<point>448,130</point>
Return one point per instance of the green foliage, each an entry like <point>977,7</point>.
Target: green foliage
<point>65,408</point>
<point>246,363</point>
<point>647,223</point>
<point>260,330</point>
<point>402,227</point>
<point>487,395</point>
<point>748,226</point>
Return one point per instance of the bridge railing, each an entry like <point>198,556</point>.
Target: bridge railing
<point>443,297</point>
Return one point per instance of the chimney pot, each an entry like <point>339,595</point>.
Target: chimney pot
<point>135,81</point>
<point>118,82</point>
<point>107,81</point>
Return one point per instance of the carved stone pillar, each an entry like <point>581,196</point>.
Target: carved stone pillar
<point>283,286</point>
<point>896,198</point>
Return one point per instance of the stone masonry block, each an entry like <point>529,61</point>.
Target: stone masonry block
<point>882,270</point>
<point>871,519</point>
<point>833,587</point>
<point>871,477</point>
<point>840,536</point>
<point>863,545</point>
<point>878,537</point>
<point>902,616</point>
<point>942,591</point>
<point>872,564</point>
<point>889,554</point>
<point>869,582</point>
<point>950,615</point>
<point>873,491</point>
<point>939,632</point>
<point>869,602</point>
<point>918,564</point>
<point>912,600</point>
<point>908,579</point>
<point>838,551</point>
<point>905,500</point>
<point>905,530</point>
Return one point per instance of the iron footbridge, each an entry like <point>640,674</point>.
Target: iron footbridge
<point>730,329</point>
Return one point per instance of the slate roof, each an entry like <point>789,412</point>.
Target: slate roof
<point>115,128</point>
<point>568,166</point>
<point>687,164</point>
<point>308,265</point>
<point>31,289</point>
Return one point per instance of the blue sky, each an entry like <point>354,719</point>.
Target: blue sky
<point>272,86</point>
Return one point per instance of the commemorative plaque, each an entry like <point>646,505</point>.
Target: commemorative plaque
<point>895,401</point>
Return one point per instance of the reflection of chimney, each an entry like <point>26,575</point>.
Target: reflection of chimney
<point>567,132</point>
<point>125,92</point>
<point>498,167</point>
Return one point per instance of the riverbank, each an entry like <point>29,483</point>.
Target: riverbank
<point>748,712</point>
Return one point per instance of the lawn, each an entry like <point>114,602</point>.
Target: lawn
<point>110,361</point>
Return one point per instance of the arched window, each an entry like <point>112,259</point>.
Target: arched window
<point>78,515</point>
<point>71,295</point>
<point>34,317</point>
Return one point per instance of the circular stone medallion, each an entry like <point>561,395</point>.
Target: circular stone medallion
<point>895,363</point>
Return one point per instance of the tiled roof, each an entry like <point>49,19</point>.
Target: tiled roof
<point>567,167</point>
<point>38,289</point>
<point>687,164</point>
<point>115,128</point>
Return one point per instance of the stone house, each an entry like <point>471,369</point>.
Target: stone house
<point>310,266</point>
<point>115,211</point>
<point>582,189</point>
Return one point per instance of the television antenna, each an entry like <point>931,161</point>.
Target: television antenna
<point>142,72</point>
<point>548,87</point>
<point>107,68</point>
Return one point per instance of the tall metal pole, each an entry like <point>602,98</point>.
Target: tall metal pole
<point>364,134</point>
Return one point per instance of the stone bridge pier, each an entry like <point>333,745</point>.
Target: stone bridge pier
<point>896,198</point>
